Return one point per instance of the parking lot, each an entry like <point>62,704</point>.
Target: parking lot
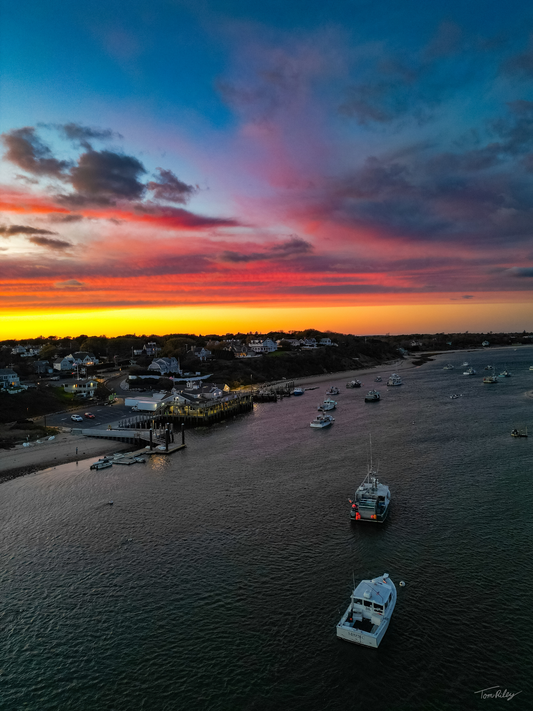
<point>103,415</point>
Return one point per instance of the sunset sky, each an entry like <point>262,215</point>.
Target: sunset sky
<point>209,167</point>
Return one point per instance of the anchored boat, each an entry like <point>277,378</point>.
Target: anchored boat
<point>367,618</point>
<point>354,384</point>
<point>322,421</point>
<point>519,433</point>
<point>327,405</point>
<point>394,379</point>
<point>372,396</point>
<point>372,499</point>
<point>333,390</point>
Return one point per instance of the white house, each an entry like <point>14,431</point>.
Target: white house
<point>309,343</point>
<point>82,388</point>
<point>84,358</point>
<point>63,364</point>
<point>266,345</point>
<point>9,379</point>
<point>165,365</point>
<point>325,342</point>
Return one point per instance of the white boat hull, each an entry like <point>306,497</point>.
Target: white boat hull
<point>346,630</point>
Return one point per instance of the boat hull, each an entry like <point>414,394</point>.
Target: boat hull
<point>380,518</point>
<point>371,639</point>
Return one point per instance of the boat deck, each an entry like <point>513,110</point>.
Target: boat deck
<point>364,625</point>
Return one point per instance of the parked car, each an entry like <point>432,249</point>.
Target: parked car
<point>76,418</point>
<point>89,415</point>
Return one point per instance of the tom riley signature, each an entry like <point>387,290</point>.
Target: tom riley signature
<point>496,692</point>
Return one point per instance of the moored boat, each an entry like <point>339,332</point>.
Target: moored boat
<point>298,391</point>
<point>378,379</point>
<point>333,390</point>
<point>354,384</point>
<point>448,367</point>
<point>367,618</point>
<point>321,421</point>
<point>504,374</point>
<point>102,464</point>
<point>394,379</point>
<point>372,396</point>
<point>327,405</point>
<point>519,433</point>
<point>490,379</point>
<point>470,371</point>
<point>372,499</point>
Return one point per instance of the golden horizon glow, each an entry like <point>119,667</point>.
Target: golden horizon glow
<point>359,320</point>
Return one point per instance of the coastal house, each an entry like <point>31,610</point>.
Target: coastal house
<point>266,345</point>
<point>42,366</point>
<point>197,392</point>
<point>64,364</point>
<point>325,342</point>
<point>165,365</point>
<point>201,353</point>
<point>82,388</point>
<point>84,358</point>
<point>8,379</point>
<point>151,348</point>
<point>309,344</point>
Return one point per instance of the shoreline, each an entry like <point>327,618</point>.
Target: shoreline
<point>65,449</point>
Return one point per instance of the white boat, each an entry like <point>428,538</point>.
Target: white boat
<point>327,405</point>
<point>368,615</point>
<point>394,379</point>
<point>372,499</point>
<point>298,391</point>
<point>504,374</point>
<point>333,391</point>
<point>322,421</point>
<point>531,367</point>
<point>101,464</point>
<point>465,364</point>
<point>354,384</point>
<point>372,396</point>
<point>378,379</point>
<point>470,371</point>
<point>448,367</point>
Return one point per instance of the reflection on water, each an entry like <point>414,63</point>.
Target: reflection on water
<point>217,577</point>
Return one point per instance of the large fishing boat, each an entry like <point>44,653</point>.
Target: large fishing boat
<point>394,379</point>
<point>368,615</point>
<point>372,499</point>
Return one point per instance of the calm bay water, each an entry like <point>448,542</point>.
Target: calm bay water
<point>218,576</point>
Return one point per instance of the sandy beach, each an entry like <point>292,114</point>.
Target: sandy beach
<point>61,450</point>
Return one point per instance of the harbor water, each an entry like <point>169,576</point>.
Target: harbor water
<point>217,577</point>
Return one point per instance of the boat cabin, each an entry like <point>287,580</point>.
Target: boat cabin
<point>370,601</point>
